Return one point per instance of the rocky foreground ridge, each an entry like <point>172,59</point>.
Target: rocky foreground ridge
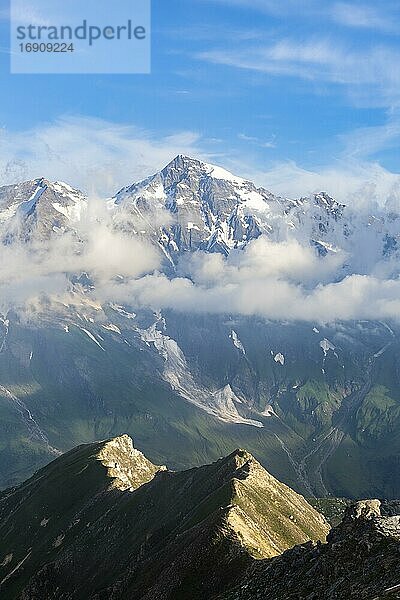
<point>102,522</point>
<point>360,560</point>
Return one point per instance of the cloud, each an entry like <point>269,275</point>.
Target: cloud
<point>286,290</point>
<point>348,14</point>
<point>361,184</point>
<point>370,75</point>
<point>257,141</point>
<point>23,13</point>
<point>284,279</point>
<point>363,16</point>
<point>364,142</point>
<point>264,259</point>
<point>94,155</point>
<point>273,7</point>
<point>355,177</point>
<point>44,266</point>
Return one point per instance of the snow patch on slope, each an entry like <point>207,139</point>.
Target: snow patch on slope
<point>112,327</point>
<point>25,208</point>
<point>236,341</point>
<point>326,345</point>
<point>219,403</point>
<point>91,336</point>
<point>220,173</point>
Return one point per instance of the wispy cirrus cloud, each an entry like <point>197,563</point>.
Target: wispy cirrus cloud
<point>372,73</point>
<point>273,7</point>
<point>251,139</point>
<point>369,15</point>
<point>364,16</point>
<point>364,142</point>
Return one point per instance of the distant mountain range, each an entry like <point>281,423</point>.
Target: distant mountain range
<point>97,335</point>
<point>211,210</point>
<point>103,522</point>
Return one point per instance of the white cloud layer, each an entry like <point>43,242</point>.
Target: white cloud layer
<point>278,281</point>
<point>282,281</point>
<point>43,267</point>
<point>356,297</point>
<point>275,280</point>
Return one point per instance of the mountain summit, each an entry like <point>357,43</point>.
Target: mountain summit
<point>192,205</point>
<point>211,209</point>
<point>104,522</point>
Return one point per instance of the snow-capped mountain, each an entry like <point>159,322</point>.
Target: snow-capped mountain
<point>34,210</point>
<point>191,205</point>
<point>212,210</point>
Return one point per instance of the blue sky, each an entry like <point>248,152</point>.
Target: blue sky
<point>298,95</point>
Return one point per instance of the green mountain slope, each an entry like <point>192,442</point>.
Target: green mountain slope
<point>330,418</point>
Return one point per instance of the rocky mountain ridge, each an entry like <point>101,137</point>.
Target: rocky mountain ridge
<point>359,561</point>
<point>101,521</point>
<point>191,205</point>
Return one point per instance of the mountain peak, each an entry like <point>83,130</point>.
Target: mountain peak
<point>241,457</point>
<point>126,465</point>
<point>209,208</point>
<point>183,162</point>
<point>324,200</point>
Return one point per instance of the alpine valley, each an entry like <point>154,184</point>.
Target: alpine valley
<point>192,376</point>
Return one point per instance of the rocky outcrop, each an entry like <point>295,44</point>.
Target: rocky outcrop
<point>126,465</point>
<point>360,560</point>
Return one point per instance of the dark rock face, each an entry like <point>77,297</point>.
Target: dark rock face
<point>360,560</point>
<point>390,508</point>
